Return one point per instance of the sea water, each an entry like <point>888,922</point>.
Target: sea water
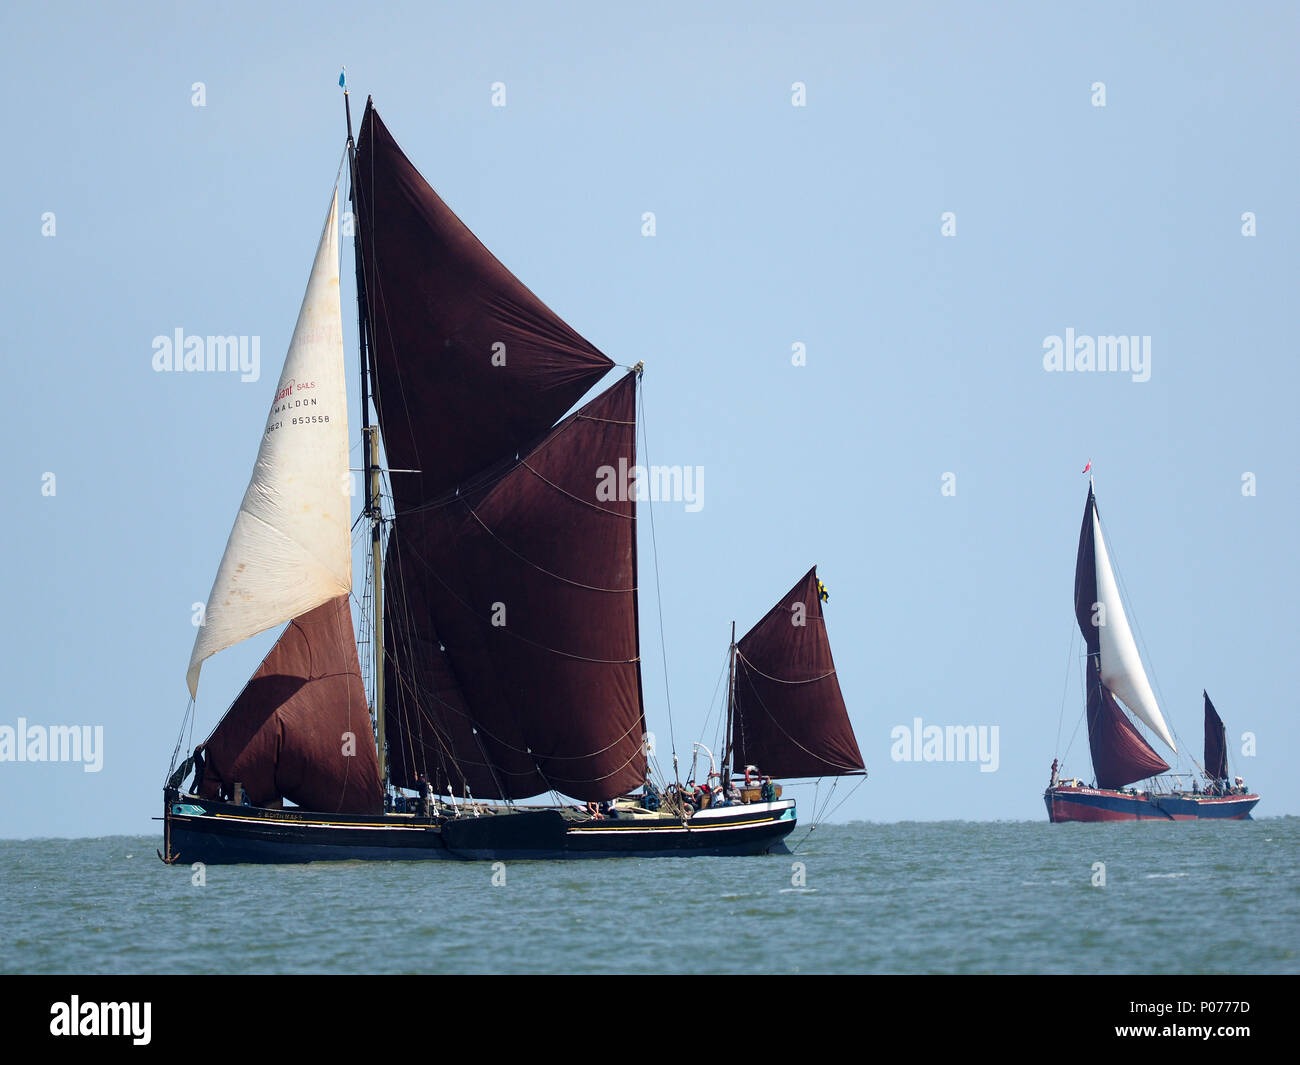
<point>935,897</point>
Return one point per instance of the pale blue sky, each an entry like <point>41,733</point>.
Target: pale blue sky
<point>775,225</point>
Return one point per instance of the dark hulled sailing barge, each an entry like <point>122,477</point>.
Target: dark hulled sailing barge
<point>508,661</point>
<point>1120,755</point>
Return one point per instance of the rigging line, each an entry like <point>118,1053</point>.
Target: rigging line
<point>474,723</point>
<point>606,776</point>
<point>778,680</point>
<point>508,631</point>
<point>823,816</point>
<point>338,176</point>
<point>370,277</point>
<point>528,562</point>
<point>186,718</point>
<point>820,758</point>
<point>813,825</point>
<point>820,813</point>
<point>577,499</point>
<point>835,809</point>
<point>477,725</point>
<point>714,704</point>
<point>190,741</point>
<point>1078,720</point>
<point>341,645</point>
<point>492,768</point>
<point>446,750</point>
<point>1065,692</point>
<point>659,596</point>
<point>362,638</point>
<point>486,480</point>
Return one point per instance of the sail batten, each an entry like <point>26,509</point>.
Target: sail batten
<point>789,717</point>
<point>290,548</point>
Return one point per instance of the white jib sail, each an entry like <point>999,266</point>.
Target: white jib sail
<point>1121,667</point>
<point>290,549</point>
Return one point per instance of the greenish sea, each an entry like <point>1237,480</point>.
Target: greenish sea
<point>945,897</point>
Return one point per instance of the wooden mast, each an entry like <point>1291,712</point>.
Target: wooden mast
<point>731,687</point>
<point>370,435</point>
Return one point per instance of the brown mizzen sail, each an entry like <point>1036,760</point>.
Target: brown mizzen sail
<point>1216,743</point>
<point>789,715</point>
<point>300,730</point>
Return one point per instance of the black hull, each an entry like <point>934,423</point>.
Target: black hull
<point>220,833</point>
<point>546,834</point>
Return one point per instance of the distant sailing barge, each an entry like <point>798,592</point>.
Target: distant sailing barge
<point>1120,756</point>
<point>503,592</point>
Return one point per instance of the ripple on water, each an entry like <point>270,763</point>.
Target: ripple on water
<point>942,897</point>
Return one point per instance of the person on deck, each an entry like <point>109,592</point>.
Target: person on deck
<point>1055,766</point>
<point>425,790</point>
<point>198,767</point>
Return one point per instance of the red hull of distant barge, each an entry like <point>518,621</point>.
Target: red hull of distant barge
<point>1102,804</point>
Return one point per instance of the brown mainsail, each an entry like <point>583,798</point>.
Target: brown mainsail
<point>511,665</point>
<point>789,715</point>
<point>529,582</point>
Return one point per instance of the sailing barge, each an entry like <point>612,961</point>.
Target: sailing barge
<point>503,591</point>
<point>1120,755</point>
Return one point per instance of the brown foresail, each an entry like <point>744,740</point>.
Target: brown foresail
<point>468,366</point>
<point>300,730</point>
<point>530,583</point>
<point>790,719</point>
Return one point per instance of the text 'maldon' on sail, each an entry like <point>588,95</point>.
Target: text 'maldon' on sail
<point>1120,755</point>
<point>290,549</point>
<point>530,583</point>
<point>790,719</point>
